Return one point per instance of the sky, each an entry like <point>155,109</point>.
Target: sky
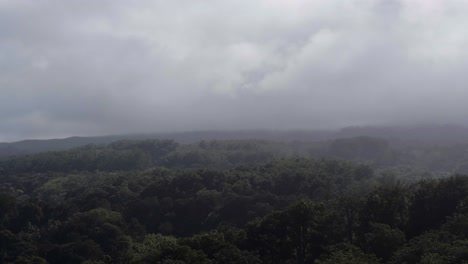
<point>86,67</point>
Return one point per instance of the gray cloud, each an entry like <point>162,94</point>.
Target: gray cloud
<point>106,67</point>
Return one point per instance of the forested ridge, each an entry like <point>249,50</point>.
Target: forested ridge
<point>439,159</point>
<point>353,200</point>
<point>429,134</point>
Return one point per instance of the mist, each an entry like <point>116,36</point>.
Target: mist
<point>110,67</point>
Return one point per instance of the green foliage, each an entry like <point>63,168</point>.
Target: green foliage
<point>346,254</point>
<point>156,248</point>
<point>433,247</point>
<point>293,233</point>
<point>435,200</point>
<point>388,205</point>
<point>383,240</point>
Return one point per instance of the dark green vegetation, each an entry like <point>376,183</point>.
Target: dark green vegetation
<point>156,201</point>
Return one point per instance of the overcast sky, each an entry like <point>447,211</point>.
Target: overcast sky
<point>87,67</point>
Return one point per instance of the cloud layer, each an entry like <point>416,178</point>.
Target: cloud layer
<point>108,67</point>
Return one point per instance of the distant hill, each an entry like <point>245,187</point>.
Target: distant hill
<point>36,146</point>
<point>434,134</point>
<point>437,134</point>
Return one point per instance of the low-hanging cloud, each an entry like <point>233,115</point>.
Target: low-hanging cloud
<point>109,67</point>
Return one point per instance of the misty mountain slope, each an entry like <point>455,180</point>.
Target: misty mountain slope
<point>142,154</point>
<point>412,160</point>
<point>418,134</point>
<point>35,146</point>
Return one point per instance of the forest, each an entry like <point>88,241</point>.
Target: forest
<point>234,132</point>
<point>347,200</point>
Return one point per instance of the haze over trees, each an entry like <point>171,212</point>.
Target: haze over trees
<point>234,201</point>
